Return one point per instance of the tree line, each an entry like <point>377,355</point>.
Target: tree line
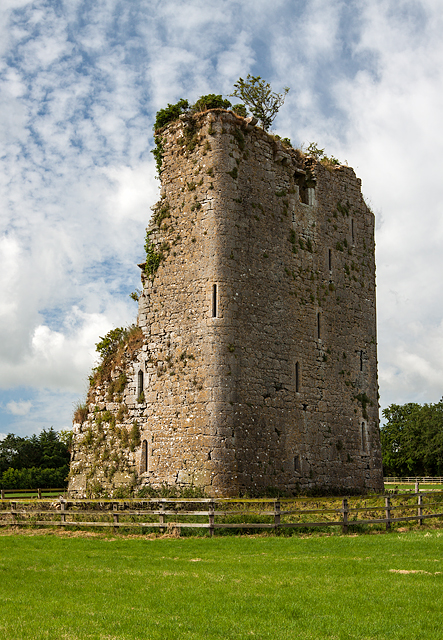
<point>37,461</point>
<point>412,440</point>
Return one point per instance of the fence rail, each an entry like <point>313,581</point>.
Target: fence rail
<point>422,479</point>
<point>165,514</point>
<point>38,493</point>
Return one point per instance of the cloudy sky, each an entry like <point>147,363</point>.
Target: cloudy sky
<point>80,82</point>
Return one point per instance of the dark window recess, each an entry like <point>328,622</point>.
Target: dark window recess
<point>297,464</point>
<point>139,383</point>
<point>306,186</point>
<point>364,440</point>
<point>352,230</point>
<point>297,377</point>
<point>144,457</point>
<point>330,259</point>
<point>214,300</point>
<point>318,325</point>
<point>361,360</point>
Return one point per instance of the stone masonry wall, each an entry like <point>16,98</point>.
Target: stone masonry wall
<point>258,360</point>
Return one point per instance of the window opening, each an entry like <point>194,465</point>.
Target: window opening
<point>310,196</point>
<point>214,301</point>
<point>306,186</point>
<point>297,377</point>
<point>361,360</point>
<point>330,260</point>
<point>364,442</point>
<point>352,229</point>
<point>139,383</point>
<point>144,457</point>
<point>318,326</point>
<point>297,463</point>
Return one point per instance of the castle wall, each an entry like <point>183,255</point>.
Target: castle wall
<point>259,358</point>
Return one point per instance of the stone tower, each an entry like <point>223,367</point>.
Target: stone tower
<point>256,363</point>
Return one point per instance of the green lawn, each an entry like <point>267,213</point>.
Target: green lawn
<point>334,587</point>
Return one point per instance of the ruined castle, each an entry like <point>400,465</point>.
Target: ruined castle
<point>254,362</point>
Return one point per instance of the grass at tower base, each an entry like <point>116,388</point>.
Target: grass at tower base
<point>89,586</point>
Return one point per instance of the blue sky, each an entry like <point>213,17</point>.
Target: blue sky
<point>80,82</point>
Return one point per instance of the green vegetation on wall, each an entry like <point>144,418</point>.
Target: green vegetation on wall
<point>111,348</point>
<point>153,257</point>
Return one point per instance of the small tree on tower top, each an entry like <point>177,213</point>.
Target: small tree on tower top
<point>259,97</point>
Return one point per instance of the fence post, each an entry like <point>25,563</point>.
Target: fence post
<point>417,486</point>
<point>345,516</point>
<point>39,494</point>
<point>13,508</point>
<point>115,515</point>
<point>211,518</point>
<point>388,512</point>
<point>161,518</point>
<point>420,510</point>
<point>276,514</point>
<point>62,511</point>
<point>3,495</point>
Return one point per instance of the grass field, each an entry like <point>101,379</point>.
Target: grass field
<point>384,586</point>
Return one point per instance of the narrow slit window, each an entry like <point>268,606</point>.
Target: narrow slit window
<point>214,300</point>
<point>144,457</point>
<point>361,360</point>
<point>297,377</point>
<point>297,464</point>
<point>318,325</point>
<point>139,383</point>
<point>352,230</point>
<point>364,440</point>
<point>330,260</point>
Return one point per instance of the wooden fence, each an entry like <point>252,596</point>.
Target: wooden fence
<point>422,479</point>
<point>29,493</point>
<point>167,514</point>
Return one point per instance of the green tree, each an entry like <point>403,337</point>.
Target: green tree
<point>210,101</point>
<point>170,113</point>
<point>109,343</point>
<point>257,94</point>
<point>412,439</point>
<point>45,451</point>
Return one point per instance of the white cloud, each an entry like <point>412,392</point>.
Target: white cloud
<point>77,177</point>
<point>20,408</point>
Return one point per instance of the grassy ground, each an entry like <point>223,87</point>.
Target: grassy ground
<point>77,586</point>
